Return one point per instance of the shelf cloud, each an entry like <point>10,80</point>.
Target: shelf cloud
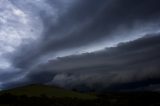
<point>80,44</point>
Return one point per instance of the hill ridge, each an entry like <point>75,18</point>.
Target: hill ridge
<point>47,90</point>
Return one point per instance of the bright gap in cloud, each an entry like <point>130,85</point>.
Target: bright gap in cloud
<point>17,27</point>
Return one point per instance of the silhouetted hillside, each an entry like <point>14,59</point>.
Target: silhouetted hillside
<point>39,95</point>
<point>49,91</point>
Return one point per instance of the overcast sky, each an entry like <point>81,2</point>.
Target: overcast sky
<point>97,45</point>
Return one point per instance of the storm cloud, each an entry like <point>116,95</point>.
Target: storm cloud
<point>88,23</point>
<point>132,62</point>
<point>113,44</point>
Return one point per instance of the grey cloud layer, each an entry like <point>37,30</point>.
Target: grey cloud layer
<point>132,62</point>
<point>86,23</point>
<point>80,23</point>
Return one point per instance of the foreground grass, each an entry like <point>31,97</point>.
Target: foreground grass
<point>122,99</point>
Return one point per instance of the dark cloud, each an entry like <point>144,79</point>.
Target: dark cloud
<point>76,24</point>
<point>133,63</point>
<point>10,75</point>
<point>86,23</point>
<point>41,77</point>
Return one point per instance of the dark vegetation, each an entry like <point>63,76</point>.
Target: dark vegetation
<point>8,98</point>
<point>48,91</point>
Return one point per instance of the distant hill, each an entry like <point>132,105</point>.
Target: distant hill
<point>49,91</point>
<point>41,95</point>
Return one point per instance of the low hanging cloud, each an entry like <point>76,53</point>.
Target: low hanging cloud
<point>129,63</point>
<point>113,44</point>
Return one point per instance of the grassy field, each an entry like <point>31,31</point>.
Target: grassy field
<point>49,91</point>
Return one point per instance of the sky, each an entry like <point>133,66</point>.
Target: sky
<point>100,45</point>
